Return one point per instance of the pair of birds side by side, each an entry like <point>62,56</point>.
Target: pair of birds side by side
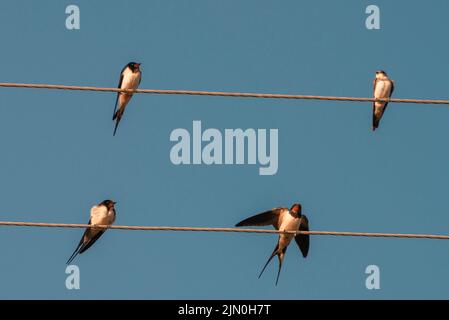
<point>281,218</point>
<point>131,76</point>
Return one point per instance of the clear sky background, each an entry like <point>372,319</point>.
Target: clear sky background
<point>58,156</point>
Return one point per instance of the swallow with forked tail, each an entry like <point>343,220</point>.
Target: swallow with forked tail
<point>284,220</point>
<point>129,79</point>
<point>102,214</point>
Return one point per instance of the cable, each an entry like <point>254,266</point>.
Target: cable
<point>205,229</point>
<point>221,94</point>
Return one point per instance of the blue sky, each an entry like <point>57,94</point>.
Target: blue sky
<point>58,156</point>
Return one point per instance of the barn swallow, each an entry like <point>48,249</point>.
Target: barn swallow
<point>129,79</point>
<point>102,214</point>
<point>383,88</point>
<point>284,220</point>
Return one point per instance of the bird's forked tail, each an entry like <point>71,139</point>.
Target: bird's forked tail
<point>117,117</point>
<point>281,258</point>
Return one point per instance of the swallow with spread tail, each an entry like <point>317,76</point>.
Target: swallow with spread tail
<point>282,219</point>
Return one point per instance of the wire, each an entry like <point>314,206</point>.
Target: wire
<point>221,94</point>
<point>205,229</point>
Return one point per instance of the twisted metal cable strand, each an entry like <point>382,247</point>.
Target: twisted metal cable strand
<point>237,230</point>
<point>221,94</point>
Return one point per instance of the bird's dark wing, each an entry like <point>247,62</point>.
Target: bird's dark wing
<point>302,240</point>
<point>79,247</point>
<point>75,253</point>
<point>89,243</point>
<point>374,103</point>
<point>118,93</point>
<point>374,91</point>
<point>117,116</point>
<point>263,219</point>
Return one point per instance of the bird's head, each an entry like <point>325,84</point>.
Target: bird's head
<point>381,74</point>
<point>134,66</point>
<point>296,209</point>
<point>108,204</point>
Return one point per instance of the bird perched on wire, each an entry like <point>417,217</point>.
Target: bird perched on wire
<point>129,79</point>
<point>383,88</point>
<point>102,214</point>
<point>282,219</point>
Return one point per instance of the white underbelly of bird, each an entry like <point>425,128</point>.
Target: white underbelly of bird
<point>103,219</point>
<point>130,81</point>
<point>289,223</point>
<point>382,91</point>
